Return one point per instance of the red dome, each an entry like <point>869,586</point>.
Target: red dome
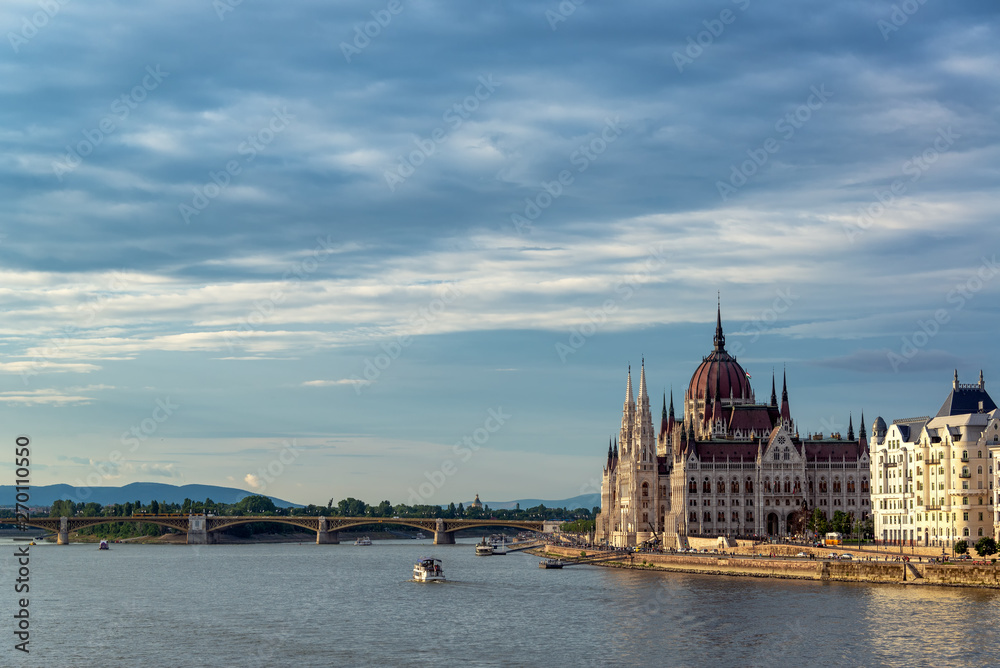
<point>719,370</point>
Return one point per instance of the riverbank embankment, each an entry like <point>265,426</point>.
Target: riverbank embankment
<point>885,572</point>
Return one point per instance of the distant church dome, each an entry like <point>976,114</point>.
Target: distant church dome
<point>477,503</point>
<point>721,370</point>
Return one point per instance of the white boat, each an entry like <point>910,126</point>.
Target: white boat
<point>484,549</point>
<point>364,540</point>
<point>103,545</point>
<point>420,536</point>
<point>428,569</point>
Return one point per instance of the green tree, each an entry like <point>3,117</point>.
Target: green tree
<point>961,547</point>
<point>986,546</point>
<point>817,522</point>
<point>384,509</point>
<point>154,507</point>
<point>255,503</point>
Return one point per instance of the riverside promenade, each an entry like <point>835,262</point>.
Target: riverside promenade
<point>834,570</point>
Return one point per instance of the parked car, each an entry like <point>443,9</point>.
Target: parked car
<point>846,556</point>
<point>801,554</point>
<point>833,555</point>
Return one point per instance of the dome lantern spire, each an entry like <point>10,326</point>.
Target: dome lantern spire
<point>720,338</point>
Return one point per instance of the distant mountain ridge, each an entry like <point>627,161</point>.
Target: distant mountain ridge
<point>44,495</point>
<point>588,501</point>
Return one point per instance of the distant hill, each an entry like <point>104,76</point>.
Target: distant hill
<point>588,501</point>
<point>44,495</point>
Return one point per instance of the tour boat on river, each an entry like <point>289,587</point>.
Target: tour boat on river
<point>428,569</point>
<point>364,540</point>
<point>550,563</point>
<point>499,544</point>
<point>484,549</point>
<point>103,545</point>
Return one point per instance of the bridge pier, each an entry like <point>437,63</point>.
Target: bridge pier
<point>324,536</point>
<point>63,537</point>
<point>444,537</point>
<point>198,530</point>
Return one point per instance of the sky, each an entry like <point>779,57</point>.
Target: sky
<point>407,250</point>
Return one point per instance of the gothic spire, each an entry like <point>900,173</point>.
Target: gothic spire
<point>671,403</point>
<point>850,427</point>
<point>628,391</point>
<point>642,381</point>
<point>785,412</point>
<point>774,396</point>
<point>861,429</point>
<point>720,339</point>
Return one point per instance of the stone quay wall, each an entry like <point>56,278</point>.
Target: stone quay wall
<point>887,572</point>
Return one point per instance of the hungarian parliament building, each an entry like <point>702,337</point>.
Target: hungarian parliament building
<point>728,466</point>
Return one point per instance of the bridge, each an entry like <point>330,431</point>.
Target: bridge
<point>202,529</point>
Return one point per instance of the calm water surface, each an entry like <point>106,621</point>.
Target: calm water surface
<point>341,605</point>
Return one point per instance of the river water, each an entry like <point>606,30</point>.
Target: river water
<point>340,605</point>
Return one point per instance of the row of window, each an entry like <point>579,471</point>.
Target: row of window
<point>721,516</point>
<point>790,487</point>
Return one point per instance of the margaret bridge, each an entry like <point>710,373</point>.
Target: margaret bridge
<point>202,529</point>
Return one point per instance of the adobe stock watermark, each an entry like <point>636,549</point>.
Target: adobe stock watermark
<point>264,309</point>
<point>898,17</point>
<point>786,126</point>
<point>563,11</point>
<point>392,349</point>
<point>135,436</point>
<point>757,325</point>
<point>249,148</point>
<point>120,109</point>
<point>365,33</point>
<point>696,44</point>
<point>30,25</point>
<point>624,289</point>
<point>581,158</point>
<point>48,355</point>
<point>915,167</point>
<point>958,296</point>
<point>454,116</point>
<point>463,451</point>
<point>290,451</point>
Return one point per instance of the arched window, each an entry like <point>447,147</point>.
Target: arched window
<point>822,485</point>
<point>864,484</point>
<point>777,454</point>
<point>797,489</point>
<point>721,517</point>
<point>736,517</point>
<point>692,486</point>
<point>708,517</point>
<point>749,516</point>
<point>965,531</point>
<point>735,486</point>
<point>749,485</point>
<point>645,489</point>
<point>850,485</point>
<point>788,486</point>
<point>980,531</point>
<point>787,456</point>
<point>720,486</point>
<point>693,516</point>
<point>836,485</point>
<point>706,486</point>
<point>980,471</point>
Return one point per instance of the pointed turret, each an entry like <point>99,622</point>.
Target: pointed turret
<point>664,423</point>
<point>774,395</point>
<point>720,339</point>
<point>671,420</point>
<point>850,427</point>
<point>642,382</point>
<point>785,412</point>
<point>628,390</point>
<point>982,383</point>
<point>954,383</point>
<point>862,436</point>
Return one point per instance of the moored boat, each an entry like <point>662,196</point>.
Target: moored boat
<point>428,569</point>
<point>364,540</point>
<point>484,549</point>
<point>550,563</point>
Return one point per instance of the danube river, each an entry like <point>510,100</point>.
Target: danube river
<point>341,605</point>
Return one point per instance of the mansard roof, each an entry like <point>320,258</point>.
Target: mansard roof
<point>965,399</point>
<point>832,451</point>
<point>732,450</point>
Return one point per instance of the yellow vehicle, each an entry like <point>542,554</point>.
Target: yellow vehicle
<point>833,538</point>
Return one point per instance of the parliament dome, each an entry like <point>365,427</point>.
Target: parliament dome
<point>719,370</point>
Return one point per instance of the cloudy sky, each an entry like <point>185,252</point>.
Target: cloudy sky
<point>407,249</point>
